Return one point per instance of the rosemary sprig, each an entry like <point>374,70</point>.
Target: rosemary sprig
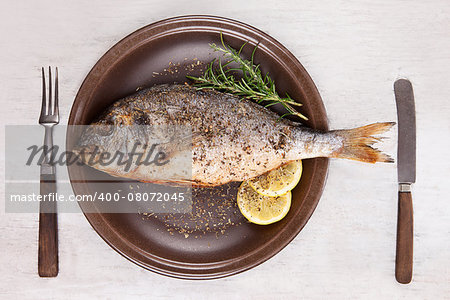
<point>252,84</point>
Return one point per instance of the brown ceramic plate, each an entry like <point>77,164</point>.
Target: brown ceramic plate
<point>165,52</point>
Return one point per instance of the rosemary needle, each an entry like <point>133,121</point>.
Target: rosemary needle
<point>252,85</point>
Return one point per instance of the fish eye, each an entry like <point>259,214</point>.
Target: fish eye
<point>104,130</point>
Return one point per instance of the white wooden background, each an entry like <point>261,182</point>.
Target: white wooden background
<point>354,50</point>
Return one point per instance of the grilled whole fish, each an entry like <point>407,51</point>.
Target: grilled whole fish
<point>229,139</point>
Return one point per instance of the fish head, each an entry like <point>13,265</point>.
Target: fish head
<point>97,142</point>
<point>117,149</point>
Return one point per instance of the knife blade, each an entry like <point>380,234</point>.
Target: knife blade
<point>406,154</point>
<point>406,173</point>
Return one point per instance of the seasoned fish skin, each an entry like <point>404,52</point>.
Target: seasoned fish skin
<point>233,139</point>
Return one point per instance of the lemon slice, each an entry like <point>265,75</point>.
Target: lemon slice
<point>279,181</point>
<point>260,209</point>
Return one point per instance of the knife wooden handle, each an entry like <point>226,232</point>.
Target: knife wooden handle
<point>48,230</point>
<point>404,253</point>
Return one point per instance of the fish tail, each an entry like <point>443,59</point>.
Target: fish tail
<point>358,143</point>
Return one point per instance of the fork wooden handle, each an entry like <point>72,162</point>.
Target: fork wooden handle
<point>404,253</point>
<point>48,229</point>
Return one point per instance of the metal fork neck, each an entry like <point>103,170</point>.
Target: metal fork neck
<point>47,166</point>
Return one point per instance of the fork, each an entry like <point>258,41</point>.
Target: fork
<point>48,222</point>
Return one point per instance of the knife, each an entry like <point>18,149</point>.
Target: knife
<point>406,172</point>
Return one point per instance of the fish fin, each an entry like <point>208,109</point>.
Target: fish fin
<point>180,183</point>
<point>358,143</point>
<point>173,183</point>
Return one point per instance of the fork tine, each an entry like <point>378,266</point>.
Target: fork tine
<point>50,91</point>
<point>56,109</point>
<point>44,100</point>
